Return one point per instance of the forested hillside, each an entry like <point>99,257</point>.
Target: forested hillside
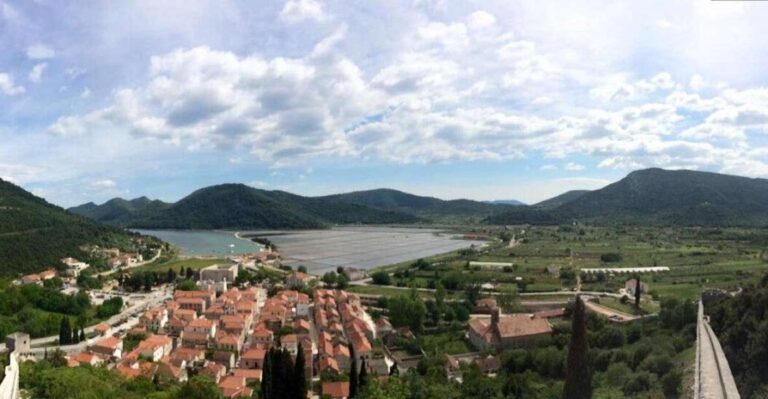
<point>423,207</point>
<point>741,324</point>
<point>35,234</point>
<point>118,211</point>
<point>659,197</point>
<point>243,207</point>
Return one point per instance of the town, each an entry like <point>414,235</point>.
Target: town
<point>224,321</point>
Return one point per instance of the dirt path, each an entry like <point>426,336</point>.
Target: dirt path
<point>610,313</point>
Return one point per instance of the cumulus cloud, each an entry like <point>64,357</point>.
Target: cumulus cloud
<point>481,20</point>
<point>40,51</point>
<point>36,74</point>
<point>8,87</point>
<point>295,11</point>
<point>455,91</point>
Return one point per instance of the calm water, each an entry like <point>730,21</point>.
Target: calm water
<point>202,242</point>
<point>360,246</point>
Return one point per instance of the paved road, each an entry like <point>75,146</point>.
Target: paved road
<point>152,299</point>
<point>146,262</point>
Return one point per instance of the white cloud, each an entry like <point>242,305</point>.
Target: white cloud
<point>664,24</point>
<point>36,74</point>
<point>18,173</point>
<point>573,167</point>
<point>481,20</point>
<point>8,87</point>
<point>103,184</point>
<point>451,92</point>
<point>40,51</point>
<point>295,11</point>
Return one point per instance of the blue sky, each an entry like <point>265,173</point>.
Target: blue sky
<point>473,99</point>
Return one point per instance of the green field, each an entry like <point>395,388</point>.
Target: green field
<point>176,264</point>
<point>698,258</point>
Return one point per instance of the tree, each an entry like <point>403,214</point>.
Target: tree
<point>472,292</point>
<point>170,276</point>
<point>299,375</point>
<point>65,331</point>
<point>329,278</point>
<point>637,293</point>
<point>266,376</point>
<point>82,334</point>
<point>578,377</point>
<point>440,295</point>
<point>342,281</point>
<point>200,387</point>
<point>670,383</point>
<point>381,278</point>
<point>362,380</point>
<point>302,269</point>
<point>407,311</point>
<point>353,383</point>
<point>507,299</point>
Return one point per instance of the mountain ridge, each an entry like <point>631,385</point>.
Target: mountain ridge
<point>660,197</point>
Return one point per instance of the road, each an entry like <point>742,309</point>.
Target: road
<point>610,313</point>
<point>150,300</point>
<point>146,262</point>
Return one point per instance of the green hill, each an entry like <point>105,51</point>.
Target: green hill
<point>422,207</point>
<point>561,199</point>
<point>662,197</point>
<point>243,207</point>
<point>118,211</point>
<point>35,235</point>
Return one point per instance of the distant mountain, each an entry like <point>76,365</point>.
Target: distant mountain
<point>505,202</point>
<point>561,199</point>
<point>657,196</point>
<point>35,235</point>
<point>118,211</point>
<point>423,207</point>
<point>238,206</point>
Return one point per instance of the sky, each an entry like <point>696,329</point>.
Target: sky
<point>454,99</point>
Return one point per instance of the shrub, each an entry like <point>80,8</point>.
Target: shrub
<point>617,374</point>
<point>639,382</point>
<point>381,278</point>
<point>670,383</point>
<point>611,257</point>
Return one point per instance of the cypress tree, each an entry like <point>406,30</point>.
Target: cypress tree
<point>362,380</point>
<point>353,373</point>
<point>65,332</point>
<point>75,337</point>
<point>299,375</point>
<point>578,377</point>
<point>82,334</point>
<point>266,377</point>
<point>287,373</point>
<point>637,293</point>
